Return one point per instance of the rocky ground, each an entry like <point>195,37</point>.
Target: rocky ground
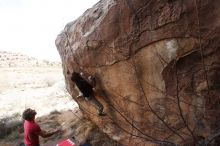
<point>13,131</point>
<point>71,123</point>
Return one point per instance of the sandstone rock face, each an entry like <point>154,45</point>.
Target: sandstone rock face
<point>157,66</point>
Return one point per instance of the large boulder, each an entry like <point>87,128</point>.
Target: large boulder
<point>157,66</point>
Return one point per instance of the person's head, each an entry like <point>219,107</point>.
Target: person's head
<point>29,114</point>
<point>75,76</point>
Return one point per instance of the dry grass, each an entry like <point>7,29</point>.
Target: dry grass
<point>5,144</point>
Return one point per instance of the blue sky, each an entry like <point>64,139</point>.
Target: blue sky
<point>31,26</point>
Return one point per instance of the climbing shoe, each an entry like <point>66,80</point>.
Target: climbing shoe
<point>102,114</point>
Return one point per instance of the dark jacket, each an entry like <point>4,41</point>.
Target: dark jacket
<point>84,87</point>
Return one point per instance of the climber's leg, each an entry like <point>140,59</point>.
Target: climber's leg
<point>97,105</point>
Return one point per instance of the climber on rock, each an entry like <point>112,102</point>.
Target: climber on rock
<point>86,90</point>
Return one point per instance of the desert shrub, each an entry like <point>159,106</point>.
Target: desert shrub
<point>55,112</point>
<point>8,125</point>
<point>5,144</point>
<point>3,130</point>
<point>15,134</point>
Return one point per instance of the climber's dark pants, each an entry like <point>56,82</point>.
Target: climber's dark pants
<point>92,99</point>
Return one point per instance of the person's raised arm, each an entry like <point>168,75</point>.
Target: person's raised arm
<point>80,93</point>
<point>45,134</point>
<point>92,81</point>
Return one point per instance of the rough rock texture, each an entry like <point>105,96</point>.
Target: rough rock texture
<point>157,65</point>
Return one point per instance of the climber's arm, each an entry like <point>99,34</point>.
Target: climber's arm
<point>80,93</point>
<point>92,81</point>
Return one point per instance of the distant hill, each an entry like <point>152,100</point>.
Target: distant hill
<point>10,59</point>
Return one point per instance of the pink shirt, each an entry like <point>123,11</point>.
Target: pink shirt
<point>31,133</point>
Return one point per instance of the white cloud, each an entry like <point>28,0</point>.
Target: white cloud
<point>31,26</point>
